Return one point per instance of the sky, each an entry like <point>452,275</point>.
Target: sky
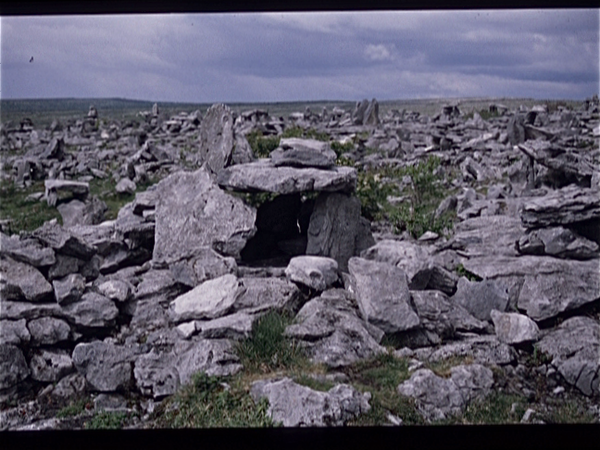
<point>272,57</point>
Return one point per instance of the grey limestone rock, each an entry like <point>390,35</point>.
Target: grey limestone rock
<point>235,326</point>
<point>295,152</point>
<point>513,328</point>
<point>13,367</point>
<point>432,276</point>
<point>336,230</point>
<point>332,332</point>
<point>215,357</point>
<point>63,241</point>
<point>262,175</point>
<point>440,315</point>
<point>14,332</point>
<point>295,406</point>
<point>406,255</point>
<point>216,138</point>
<point>219,221</point>
<point>106,367</point>
<point>486,350</point>
<point>92,311</point>
<point>156,374</point>
<point>557,241</point>
<point>68,289</point>
<point>480,297</point>
<point>19,281</point>
<point>439,398</point>
<point>569,205</point>
<point>116,290</point>
<point>48,330</point>
<point>204,265</point>
<point>382,294</point>
<point>50,365</point>
<point>125,186</point>
<point>209,300</point>
<point>27,251</point>
<point>574,347</point>
<point>79,189</point>
<point>316,272</point>
<point>262,294</point>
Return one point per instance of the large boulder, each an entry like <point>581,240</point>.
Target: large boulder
<point>329,328</point>
<point>541,285</point>
<point>193,213</point>
<point>408,256</point>
<point>574,347</point>
<point>295,405</point>
<point>513,328</point>
<point>337,230</point>
<point>382,294</point>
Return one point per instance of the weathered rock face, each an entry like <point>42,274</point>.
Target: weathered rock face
<point>566,206</point>
<point>574,347</point>
<point>382,294</point>
<point>210,300</point>
<point>331,331</point>
<point>513,328</point>
<point>438,398</point>
<point>559,242</point>
<point>295,152</point>
<point>19,281</point>
<point>299,406</point>
<point>406,255</point>
<point>480,297</point>
<point>50,366</point>
<point>216,138</point>
<point>193,213</point>
<point>13,365</point>
<point>336,229</point>
<point>263,176</point>
<point>106,367</point>
<point>27,251</point>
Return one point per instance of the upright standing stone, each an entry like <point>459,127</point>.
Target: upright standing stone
<point>336,229</point>
<point>216,138</point>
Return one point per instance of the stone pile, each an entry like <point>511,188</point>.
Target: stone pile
<point>131,308</point>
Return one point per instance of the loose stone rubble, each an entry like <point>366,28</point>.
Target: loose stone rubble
<point>131,308</point>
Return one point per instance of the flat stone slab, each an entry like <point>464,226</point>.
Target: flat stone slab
<point>566,206</point>
<point>295,152</point>
<point>77,188</point>
<point>263,176</point>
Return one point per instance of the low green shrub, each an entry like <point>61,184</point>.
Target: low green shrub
<point>262,146</point>
<point>107,420</point>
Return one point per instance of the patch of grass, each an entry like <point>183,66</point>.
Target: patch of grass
<point>496,408</point>
<point>425,192</point>
<point>381,376</point>
<point>373,193</point>
<point>104,189</point>
<point>539,358</point>
<point>314,383</point>
<point>107,420</point>
<point>268,349</point>
<point>262,146</point>
<point>340,148</point>
<point>25,215</point>
<point>568,411</point>
<point>206,403</point>
<point>310,133</point>
<point>462,272</point>
<point>75,408</point>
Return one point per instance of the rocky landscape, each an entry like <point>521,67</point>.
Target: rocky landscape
<point>405,268</point>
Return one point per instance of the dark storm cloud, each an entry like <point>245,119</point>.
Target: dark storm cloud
<point>303,56</point>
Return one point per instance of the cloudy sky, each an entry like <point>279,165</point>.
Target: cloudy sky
<point>546,54</point>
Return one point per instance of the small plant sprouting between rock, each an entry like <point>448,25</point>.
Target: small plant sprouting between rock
<point>268,349</point>
<point>75,408</point>
<point>207,402</point>
<point>262,146</point>
<point>496,408</point>
<point>462,272</point>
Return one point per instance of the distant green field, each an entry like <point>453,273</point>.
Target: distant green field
<point>43,111</point>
